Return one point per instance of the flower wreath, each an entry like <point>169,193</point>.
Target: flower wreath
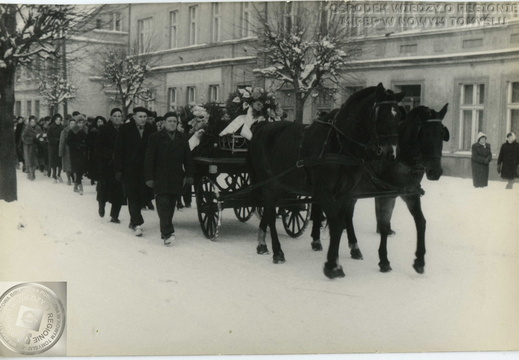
<point>263,104</point>
<point>200,120</point>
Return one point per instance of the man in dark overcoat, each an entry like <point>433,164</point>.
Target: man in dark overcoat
<point>108,188</point>
<point>168,167</point>
<point>130,147</point>
<point>508,160</point>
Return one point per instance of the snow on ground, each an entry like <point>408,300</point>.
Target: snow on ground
<point>134,296</point>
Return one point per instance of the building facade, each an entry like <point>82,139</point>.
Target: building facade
<point>79,64</point>
<point>464,54</point>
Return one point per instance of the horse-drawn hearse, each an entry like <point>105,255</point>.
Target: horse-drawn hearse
<point>369,148</point>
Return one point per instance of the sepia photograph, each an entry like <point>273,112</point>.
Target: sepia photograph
<point>281,179</point>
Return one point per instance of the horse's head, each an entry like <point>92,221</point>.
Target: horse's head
<point>387,117</point>
<point>422,139</point>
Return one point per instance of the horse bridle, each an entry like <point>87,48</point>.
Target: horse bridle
<point>333,126</point>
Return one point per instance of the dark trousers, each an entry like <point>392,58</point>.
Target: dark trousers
<point>166,209</point>
<point>56,171</point>
<point>136,194</point>
<point>77,178</point>
<point>114,211</point>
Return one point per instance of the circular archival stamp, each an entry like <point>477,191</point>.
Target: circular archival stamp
<point>32,319</point>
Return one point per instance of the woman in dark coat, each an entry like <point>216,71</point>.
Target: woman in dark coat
<point>77,142</point>
<point>30,147</point>
<point>108,188</point>
<point>508,160</point>
<point>53,137</point>
<point>93,172</point>
<point>481,157</point>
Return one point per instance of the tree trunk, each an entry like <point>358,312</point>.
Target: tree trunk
<point>299,108</point>
<point>8,157</point>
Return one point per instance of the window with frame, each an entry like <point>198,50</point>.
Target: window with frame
<point>116,21</point>
<point>29,108</point>
<point>37,108</point>
<point>18,108</point>
<point>144,37</point>
<point>216,21</point>
<point>173,29</point>
<point>413,95</point>
<point>192,30</point>
<point>512,107</point>
<point>214,93</point>
<point>472,111</point>
<point>245,19</point>
<point>172,98</point>
<point>191,95</point>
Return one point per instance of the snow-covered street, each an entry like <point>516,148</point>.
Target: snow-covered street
<point>134,296</point>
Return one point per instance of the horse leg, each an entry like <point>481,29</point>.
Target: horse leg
<point>414,205</point>
<point>332,268</point>
<point>317,220</point>
<point>384,213</point>
<point>262,248</point>
<point>270,215</point>
<point>352,238</point>
<point>377,211</point>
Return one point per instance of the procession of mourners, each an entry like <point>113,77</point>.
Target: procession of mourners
<point>136,158</point>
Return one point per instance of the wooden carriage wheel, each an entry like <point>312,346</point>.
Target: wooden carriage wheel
<point>295,218</point>
<point>243,213</point>
<point>209,212</point>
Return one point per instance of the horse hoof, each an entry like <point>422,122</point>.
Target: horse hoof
<point>418,268</point>
<point>334,273</point>
<point>385,268</point>
<point>317,246</point>
<point>278,258</point>
<point>262,250</point>
<point>356,254</point>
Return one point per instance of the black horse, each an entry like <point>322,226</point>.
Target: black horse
<point>421,137</point>
<point>323,160</point>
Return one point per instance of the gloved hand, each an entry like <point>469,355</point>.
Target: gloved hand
<point>119,176</point>
<point>150,183</point>
<point>499,166</point>
<point>190,181</point>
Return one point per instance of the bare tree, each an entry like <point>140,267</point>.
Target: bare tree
<point>127,71</point>
<point>306,47</point>
<point>27,32</point>
<point>55,90</point>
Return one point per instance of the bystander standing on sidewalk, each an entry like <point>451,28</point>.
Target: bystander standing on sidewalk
<point>481,157</point>
<point>508,160</point>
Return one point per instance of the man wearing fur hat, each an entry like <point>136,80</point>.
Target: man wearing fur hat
<point>508,160</point>
<point>481,157</point>
<point>130,147</point>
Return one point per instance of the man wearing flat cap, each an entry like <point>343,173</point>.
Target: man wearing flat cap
<point>130,147</point>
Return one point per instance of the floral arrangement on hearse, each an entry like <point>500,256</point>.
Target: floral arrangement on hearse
<point>249,106</point>
<point>211,131</point>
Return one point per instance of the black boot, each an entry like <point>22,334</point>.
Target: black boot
<point>101,209</point>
